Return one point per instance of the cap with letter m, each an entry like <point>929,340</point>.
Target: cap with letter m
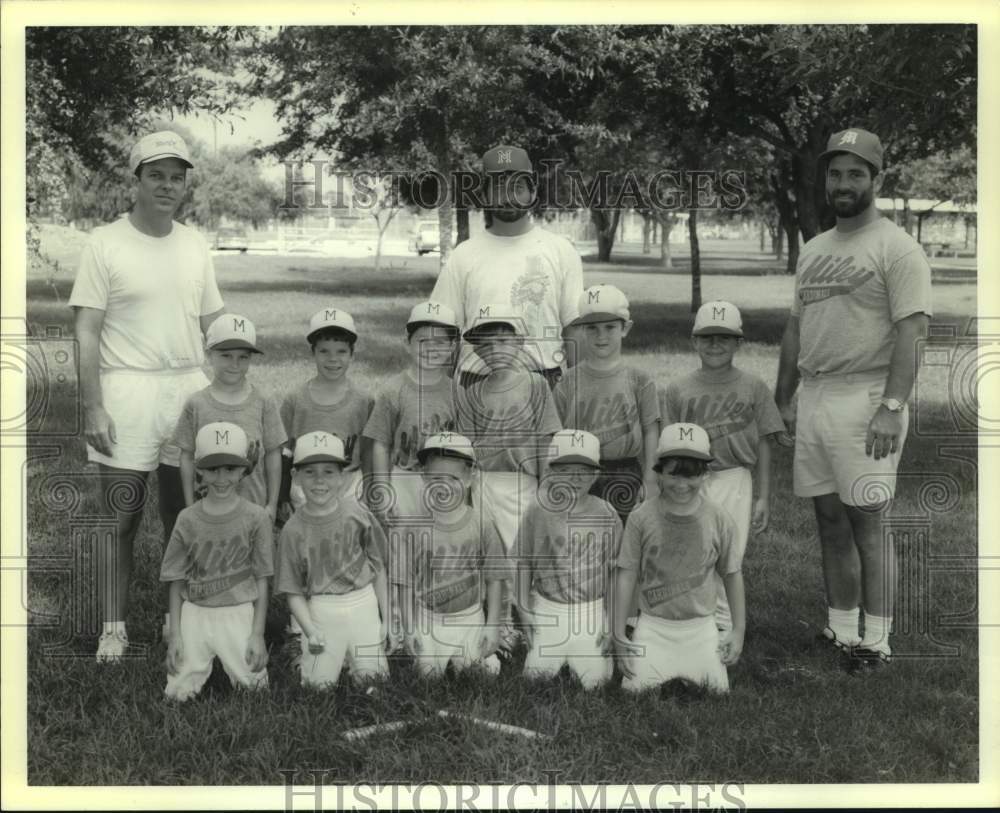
<point>153,147</point>
<point>220,444</point>
<point>495,314</point>
<point>230,331</point>
<point>718,317</point>
<point>432,313</point>
<point>683,440</point>
<point>331,318</point>
<point>575,446</point>
<point>602,303</point>
<point>505,158</point>
<point>318,447</point>
<point>447,444</point>
<point>858,142</point>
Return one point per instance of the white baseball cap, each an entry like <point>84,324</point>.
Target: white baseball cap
<point>683,440</point>
<point>331,317</point>
<point>220,444</point>
<point>447,444</point>
<point>164,144</point>
<point>718,316</point>
<point>230,331</point>
<point>496,314</point>
<point>575,446</point>
<point>318,447</point>
<point>601,303</point>
<point>432,313</point>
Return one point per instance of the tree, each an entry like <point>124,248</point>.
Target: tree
<point>230,186</point>
<point>792,86</point>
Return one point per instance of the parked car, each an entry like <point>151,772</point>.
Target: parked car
<point>229,239</point>
<point>426,238</point>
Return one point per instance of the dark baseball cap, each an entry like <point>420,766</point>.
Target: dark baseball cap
<point>505,158</point>
<point>857,142</point>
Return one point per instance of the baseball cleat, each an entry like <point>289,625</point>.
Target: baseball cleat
<point>111,647</point>
<point>829,638</point>
<point>862,660</point>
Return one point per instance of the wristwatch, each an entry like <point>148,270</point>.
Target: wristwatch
<point>892,404</point>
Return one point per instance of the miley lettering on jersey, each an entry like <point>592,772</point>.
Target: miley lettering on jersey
<point>828,275</point>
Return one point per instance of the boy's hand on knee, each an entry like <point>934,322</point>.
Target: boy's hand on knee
<point>624,650</point>
<point>317,643</point>
<point>256,654</point>
<point>731,647</point>
<point>489,641</point>
<point>175,654</point>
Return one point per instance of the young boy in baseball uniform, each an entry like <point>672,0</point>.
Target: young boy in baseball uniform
<point>328,402</point>
<point>217,563</point>
<point>446,563</point>
<point>738,411</point>
<point>510,416</point>
<point>672,548</point>
<point>614,401</point>
<point>416,403</point>
<point>331,565</point>
<point>567,544</point>
<point>230,344</point>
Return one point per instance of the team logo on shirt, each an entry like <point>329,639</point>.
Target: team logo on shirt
<point>530,288</point>
<point>611,417</point>
<point>829,275</point>
<point>719,415</point>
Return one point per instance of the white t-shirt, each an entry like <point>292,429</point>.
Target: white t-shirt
<point>152,291</point>
<point>538,273</point>
<point>850,290</point>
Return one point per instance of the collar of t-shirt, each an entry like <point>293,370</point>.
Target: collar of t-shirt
<point>844,236</point>
<point>712,377</point>
<point>219,519</point>
<point>148,237</point>
<point>509,239</point>
<point>593,372</point>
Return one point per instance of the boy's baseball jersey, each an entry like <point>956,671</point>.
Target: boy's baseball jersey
<point>850,289</point>
<point>152,291</point>
<point>301,413</point>
<point>676,558</point>
<point>505,421</point>
<point>406,413</point>
<point>570,552</point>
<point>615,405</point>
<point>447,560</point>
<point>257,416</point>
<point>333,554</point>
<point>736,412</point>
<point>219,558</point>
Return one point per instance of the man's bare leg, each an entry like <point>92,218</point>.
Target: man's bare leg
<point>878,573</point>
<point>841,569</point>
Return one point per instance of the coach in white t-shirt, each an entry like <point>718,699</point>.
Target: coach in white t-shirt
<point>514,262</point>
<point>862,301</point>
<point>144,294</point>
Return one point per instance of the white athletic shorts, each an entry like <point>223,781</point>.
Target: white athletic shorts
<point>144,407</point>
<point>207,633</point>
<point>831,426</point>
<point>508,495</point>
<point>451,638</point>
<point>568,633</point>
<point>686,649</point>
<point>352,628</point>
<point>731,490</point>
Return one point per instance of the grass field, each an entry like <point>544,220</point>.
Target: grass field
<point>791,716</point>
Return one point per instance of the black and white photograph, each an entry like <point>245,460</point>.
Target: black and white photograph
<point>427,406</point>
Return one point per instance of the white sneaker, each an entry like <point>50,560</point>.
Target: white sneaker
<point>111,647</point>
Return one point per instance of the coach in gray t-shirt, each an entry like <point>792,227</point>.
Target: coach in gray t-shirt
<point>862,300</point>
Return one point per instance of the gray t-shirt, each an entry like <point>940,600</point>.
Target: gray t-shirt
<point>257,416</point>
<point>406,413</point>
<point>850,289</point>
<point>735,411</point>
<point>615,405</point>
<point>301,413</point>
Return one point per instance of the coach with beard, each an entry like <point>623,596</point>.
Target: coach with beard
<point>538,273</point>
<point>862,301</point>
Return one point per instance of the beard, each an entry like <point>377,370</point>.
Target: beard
<point>852,206</point>
<point>508,215</point>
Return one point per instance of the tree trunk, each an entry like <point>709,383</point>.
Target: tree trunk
<point>907,216</point>
<point>666,223</point>
<point>761,229</point>
<point>792,230</point>
<point>695,260</point>
<point>647,227</point>
<point>606,225</point>
<point>462,222</point>
<point>444,225</point>
<point>808,187</point>
<point>779,242</point>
